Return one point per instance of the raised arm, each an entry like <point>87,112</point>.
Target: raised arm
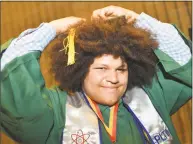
<point>170,42</point>
<point>173,52</point>
<point>37,39</point>
<point>27,114</point>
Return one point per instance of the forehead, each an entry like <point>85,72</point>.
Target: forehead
<point>109,60</point>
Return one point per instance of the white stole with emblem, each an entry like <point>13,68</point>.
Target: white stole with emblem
<point>81,125</point>
<point>141,105</point>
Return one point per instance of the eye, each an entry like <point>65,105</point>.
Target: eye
<point>122,69</point>
<point>101,68</point>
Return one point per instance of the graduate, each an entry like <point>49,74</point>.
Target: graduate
<point>120,78</point>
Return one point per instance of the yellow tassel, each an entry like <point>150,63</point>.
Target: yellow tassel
<point>70,48</point>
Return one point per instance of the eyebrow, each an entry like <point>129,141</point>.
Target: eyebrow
<point>121,66</point>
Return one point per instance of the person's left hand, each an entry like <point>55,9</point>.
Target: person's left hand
<point>63,24</point>
<point>110,12</point>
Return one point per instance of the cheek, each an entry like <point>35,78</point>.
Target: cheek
<point>94,78</point>
<point>124,79</point>
<point>91,81</point>
<point>124,84</point>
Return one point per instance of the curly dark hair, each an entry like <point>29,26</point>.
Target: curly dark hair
<point>134,45</point>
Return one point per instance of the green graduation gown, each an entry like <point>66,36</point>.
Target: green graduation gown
<point>34,114</point>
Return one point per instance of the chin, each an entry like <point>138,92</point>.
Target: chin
<point>111,102</point>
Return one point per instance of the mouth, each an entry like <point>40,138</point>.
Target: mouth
<point>110,89</point>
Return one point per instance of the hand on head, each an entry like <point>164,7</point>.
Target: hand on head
<point>109,12</point>
<point>63,24</point>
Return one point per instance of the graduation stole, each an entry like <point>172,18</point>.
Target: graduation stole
<point>112,128</point>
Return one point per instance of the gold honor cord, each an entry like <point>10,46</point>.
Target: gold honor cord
<point>69,47</point>
<point>146,137</point>
<point>111,129</point>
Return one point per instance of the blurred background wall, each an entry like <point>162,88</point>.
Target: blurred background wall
<point>18,16</point>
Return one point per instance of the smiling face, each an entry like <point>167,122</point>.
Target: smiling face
<point>107,79</point>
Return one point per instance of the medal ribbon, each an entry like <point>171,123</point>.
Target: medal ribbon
<point>111,130</point>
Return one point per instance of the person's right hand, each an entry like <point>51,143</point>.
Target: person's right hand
<point>63,24</point>
<point>110,12</point>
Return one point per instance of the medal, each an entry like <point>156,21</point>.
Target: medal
<point>111,129</point>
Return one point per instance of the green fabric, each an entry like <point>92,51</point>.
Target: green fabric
<point>167,97</point>
<point>127,132</point>
<point>172,87</point>
<point>33,114</point>
<point>24,112</point>
<point>37,113</point>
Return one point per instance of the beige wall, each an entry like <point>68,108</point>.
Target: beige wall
<point>18,16</point>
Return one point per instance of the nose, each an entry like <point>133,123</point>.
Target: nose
<point>112,77</point>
